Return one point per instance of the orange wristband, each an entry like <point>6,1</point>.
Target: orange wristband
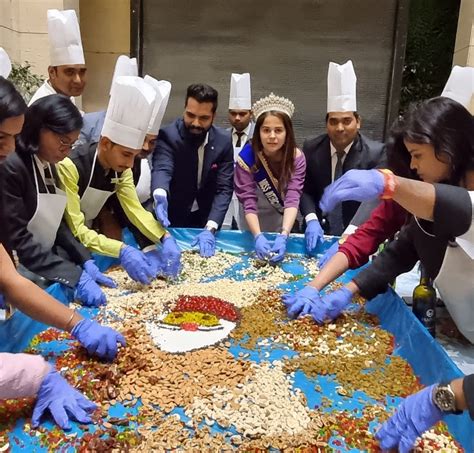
<point>390,184</point>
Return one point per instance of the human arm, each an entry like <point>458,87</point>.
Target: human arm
<point>135,212</point>
<point>224,185</point>
<point>17,191</point>
<point>418,413</point>
<point>162,163</point>
<point>65,239</point>
<point>75,219</point>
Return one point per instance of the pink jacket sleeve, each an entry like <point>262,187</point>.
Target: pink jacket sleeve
<point>21,375</point>
<point>295,184</point>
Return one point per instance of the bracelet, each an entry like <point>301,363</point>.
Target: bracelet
<point>70,319</point>
<point>390,184</point>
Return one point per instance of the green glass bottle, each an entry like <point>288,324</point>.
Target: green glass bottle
<point>424,303</point>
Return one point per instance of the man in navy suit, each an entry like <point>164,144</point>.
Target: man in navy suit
<point>193,169</point>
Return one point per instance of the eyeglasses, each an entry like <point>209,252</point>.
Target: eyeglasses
<point>71,146</point>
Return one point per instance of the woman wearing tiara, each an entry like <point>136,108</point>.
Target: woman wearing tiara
<point>269,176</point>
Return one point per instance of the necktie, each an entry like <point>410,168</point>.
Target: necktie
<point>239,139</point>
<point>336,225</point>
<point>49,181</point>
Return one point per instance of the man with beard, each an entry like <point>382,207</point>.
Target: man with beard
<point>193,168</point>
<point>67,73</point>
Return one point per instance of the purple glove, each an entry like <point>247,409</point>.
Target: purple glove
<point>161,208</point>
<point>89,292</point>
<point>330,252</point>
<point>136,265</point>
<point>279,248</point>
<point>91,268</point>
<point>298,304</point>
<point>99,340</point>
<point>330,306</point>
<point>63,401</point>
<point>313,234</point>
<point>357,185</point>
<point>262,247</point>
<point>207,243</point>
<point>415,415</point>
<point>172,256</point>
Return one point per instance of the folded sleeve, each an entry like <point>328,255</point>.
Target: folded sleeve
<point>21,375</point>
<point>135,212</point>
<point>95,242</point>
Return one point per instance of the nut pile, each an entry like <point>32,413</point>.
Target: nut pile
<point>226,401</point>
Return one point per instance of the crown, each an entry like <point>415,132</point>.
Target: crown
<point>272,102</point>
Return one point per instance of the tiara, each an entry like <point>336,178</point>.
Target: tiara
<point>272,102</point>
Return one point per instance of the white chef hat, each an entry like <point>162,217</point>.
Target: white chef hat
<point>240,97</point>
<point>65,45</point>
<point>342,82</point>
<point>124,66</point>
<point>460,85</point>
<point>5,63</point>
<point>129,111</point>
<point>163,90</point>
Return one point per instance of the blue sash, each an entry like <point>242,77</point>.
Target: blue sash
<point>263,176</point>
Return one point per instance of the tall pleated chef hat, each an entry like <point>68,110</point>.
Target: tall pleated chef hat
<point>460,85</point>
<point>163,90</point>
<point>342,83</point>
<point>129,111</point>
<point>124,66</point>
<point>240,96</point>
<point>5,63</point>
<point>65,45</point>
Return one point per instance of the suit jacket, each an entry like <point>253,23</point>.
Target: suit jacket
<point>63,263</point>
<point>364,154</point>
<point>175,170</point>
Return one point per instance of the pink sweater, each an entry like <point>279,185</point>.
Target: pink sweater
<point>246,188</point>
<point>21,375</point>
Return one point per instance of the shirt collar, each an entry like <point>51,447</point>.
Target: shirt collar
<point>204,143</point>
<point>246,131</point>
<point>333,149</point>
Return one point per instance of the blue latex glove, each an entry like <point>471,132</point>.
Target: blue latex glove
<point>3,304</point>
<point>136,264</point>
<point>171,254</point>
<point>330,306</point>
<point>63,401</point>
<point>357,185</point>
<point>262,247</point>
<point>97,276</point>
<point>99,340</point>
<point>207,243</point>
<point>330,252</point>
<point>161,209</point>
<point>415,415</point>
<point>89,292</point>
<point>278,249</point>
<point>300,302</point>
<point>313,234</point>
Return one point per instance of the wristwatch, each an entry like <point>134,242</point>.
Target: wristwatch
<point>445,399</point>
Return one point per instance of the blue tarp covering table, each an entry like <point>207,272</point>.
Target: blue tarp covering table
<point>413,343</point>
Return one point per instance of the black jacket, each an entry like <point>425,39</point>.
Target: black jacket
<point>175,170</point>
<point>413,244</point>
<point>63,263</point>
<point>364,154</point>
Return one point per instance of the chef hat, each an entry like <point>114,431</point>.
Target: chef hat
<point>65,45</point>
<point>129,111</point>
<point>125,66</point>
<point>342,83</point>
<point>5,63</point>
<point>163,90</point>
<point>460,85</point>
<point>240,97</point>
